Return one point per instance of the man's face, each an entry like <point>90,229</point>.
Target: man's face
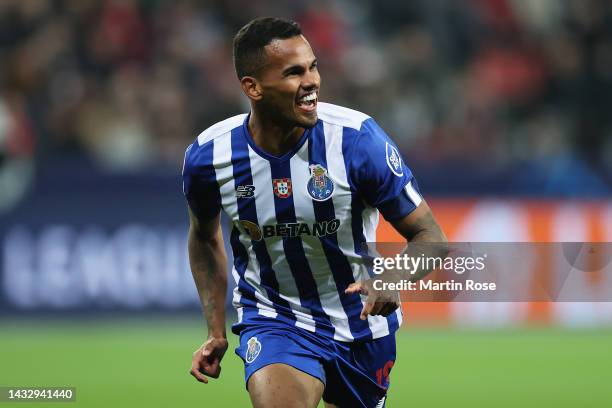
<point>290,82</point>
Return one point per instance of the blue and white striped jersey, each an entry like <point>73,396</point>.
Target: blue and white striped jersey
<point>299,221</point>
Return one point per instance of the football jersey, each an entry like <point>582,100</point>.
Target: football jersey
<point>299,222</point>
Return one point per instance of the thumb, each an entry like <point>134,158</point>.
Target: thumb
<point>367,309</point>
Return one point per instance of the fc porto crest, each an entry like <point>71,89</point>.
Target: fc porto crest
<point>394,160</point>
<point>320,186</point>
<point>282,187</point>
<point>253,349</point>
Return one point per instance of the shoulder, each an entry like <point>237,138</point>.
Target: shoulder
<point>360,132</point>
<point>220,129</point>
<point>339,115</point>
<point>200,151</point>
<point>363,128</point>
<point>202,146</point>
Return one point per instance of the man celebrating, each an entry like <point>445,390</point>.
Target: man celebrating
<point>302,183</point>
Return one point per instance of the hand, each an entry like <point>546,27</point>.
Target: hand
<point>207,359</point>
<point>378,302</point>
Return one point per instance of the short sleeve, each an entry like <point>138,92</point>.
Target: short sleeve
<point>199,181</point>
<point>380,175</point>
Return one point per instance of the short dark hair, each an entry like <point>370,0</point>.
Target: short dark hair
<point>251,39</point>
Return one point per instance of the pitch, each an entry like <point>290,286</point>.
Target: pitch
<point>131,363</point>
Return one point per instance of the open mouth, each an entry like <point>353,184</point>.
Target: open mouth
<point>308,102</point>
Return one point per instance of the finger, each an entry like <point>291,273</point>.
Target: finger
<point>354,287</point>
<point>211,367</point>
<point>388,308</point>
<point>376,308</point>
<point>197,374</point>
<point>367,309</point>
<point>213,370</point>
<point>380,308</point>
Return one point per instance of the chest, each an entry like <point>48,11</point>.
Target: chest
<point>293,197</point>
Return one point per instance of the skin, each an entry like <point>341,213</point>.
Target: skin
<point>280,386</point>
<point>208,261</point>
<point>276,124</point>
<point>419,226</point>
<point>290,71</point>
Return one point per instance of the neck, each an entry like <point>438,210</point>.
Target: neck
<point>272,137</point>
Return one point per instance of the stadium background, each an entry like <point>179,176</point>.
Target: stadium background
<point>500,107</point>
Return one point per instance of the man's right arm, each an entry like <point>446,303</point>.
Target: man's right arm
<point>208,263</point>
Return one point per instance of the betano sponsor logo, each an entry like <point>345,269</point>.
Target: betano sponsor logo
<point>290,229</point>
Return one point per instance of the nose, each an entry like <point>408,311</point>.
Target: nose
<point>311,80</point>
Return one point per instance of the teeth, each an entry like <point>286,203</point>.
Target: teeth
<point>309,97</point>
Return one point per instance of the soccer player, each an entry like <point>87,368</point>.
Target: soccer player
<point>302,183</point>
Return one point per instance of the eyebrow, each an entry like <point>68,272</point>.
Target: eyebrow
<point>296,67</point>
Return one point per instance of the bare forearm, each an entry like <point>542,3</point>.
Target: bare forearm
<point>208,265</point>
<point>431,243</point>
<point>425,237</point>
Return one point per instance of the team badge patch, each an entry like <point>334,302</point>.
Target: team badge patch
<point>282,187</point>
<point>253,349</point>
<point>320,186</point>
<point>394,161</point>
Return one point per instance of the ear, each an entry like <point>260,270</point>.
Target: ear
<point>251,88</point>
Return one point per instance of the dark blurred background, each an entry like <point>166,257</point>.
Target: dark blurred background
<point>500,107</point>
<point>496,97</point>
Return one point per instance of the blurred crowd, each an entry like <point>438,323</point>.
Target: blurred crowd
<point>519,88</point>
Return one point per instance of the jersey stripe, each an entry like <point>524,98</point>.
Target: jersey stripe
<point>248,283</point>
<point>261,176</point>
<point>342,116</point>
<point>247,211</point>
<point>220,128</point>
<point>413,194</point>
<point>321,272</point>
<point>351,237</point>
<point>338,262</point>
<point>301,272</point>
<point>243,292</point>
<point>288,288</point>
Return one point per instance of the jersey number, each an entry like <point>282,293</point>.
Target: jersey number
<point>383,373</point>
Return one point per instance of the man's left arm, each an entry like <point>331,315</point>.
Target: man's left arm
<point>424,235</point>
<point>385,182</point>
<point>420,226</point>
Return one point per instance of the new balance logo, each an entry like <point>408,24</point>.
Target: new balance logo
<point>247,191</point>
